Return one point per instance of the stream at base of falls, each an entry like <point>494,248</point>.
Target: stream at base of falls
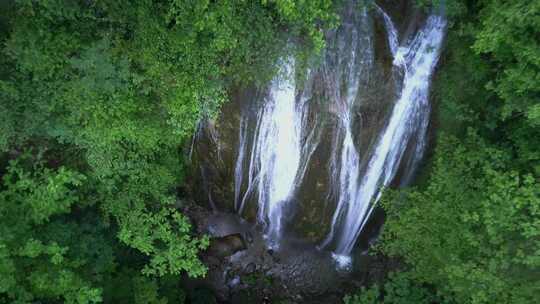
<point>308,161</point>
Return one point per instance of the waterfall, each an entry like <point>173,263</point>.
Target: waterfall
<point>409,116</point>
<point>345,67</point>
<point>277,155</point>
<point>370,136</point>
<point>393,42</point>
<point>238,169</point>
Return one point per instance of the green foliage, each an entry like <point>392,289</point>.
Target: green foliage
<point>41,193</point>
<point>451,8</point>
<point>40,258</point>
<point>473,232</point>
<point>300,13</point>
<point>507,36</point>
<point>400,288</point>
<point>147,232</point>
<point>202,296</point>
<point>470,232</point>
<point>129,286</point>
<point>365,296</point>
<point>490,76</point>
<point>111,90</point>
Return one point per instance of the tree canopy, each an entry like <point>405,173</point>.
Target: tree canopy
<point>469,232</point>
<point>98,99</point>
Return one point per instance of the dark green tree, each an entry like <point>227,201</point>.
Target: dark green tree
<point>109,91</point>
<point>470,231</point>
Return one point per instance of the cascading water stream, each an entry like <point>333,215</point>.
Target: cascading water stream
<point>278,155</point>
<point>408,117</point>
<point>238,168</point>
<point>391,31</point>
<point>371,138</point>
<point>345,165</point>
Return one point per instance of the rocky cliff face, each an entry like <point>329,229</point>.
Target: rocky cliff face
<point>343,107</point>
<point>241,269</point>
<point>216,147</point>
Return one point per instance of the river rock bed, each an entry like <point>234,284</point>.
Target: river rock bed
<point>297,271</point>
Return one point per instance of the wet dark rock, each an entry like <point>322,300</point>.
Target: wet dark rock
<point>401,12</point>
<point>296,270</point>
<point>221,224</point>
<point>249,237</point>
<point>243,272</point>
<point>225,246</point>
<point>235,281</point>
<point>250,268</point>
<point>197,214</point>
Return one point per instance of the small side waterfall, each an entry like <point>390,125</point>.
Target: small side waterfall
<point>345,67</point>
<point>391,30</point>
<point>239,166</point>
<point>408,117</point>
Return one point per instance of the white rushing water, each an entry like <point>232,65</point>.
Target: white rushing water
<point>238,168</point>
<point>276,156</point>
<point>409,117</point>
<point>354,58</point>
<point>391,31</point>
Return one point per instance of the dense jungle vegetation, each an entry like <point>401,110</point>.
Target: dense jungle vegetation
<point>99,99</point>
<point>470,232</point>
